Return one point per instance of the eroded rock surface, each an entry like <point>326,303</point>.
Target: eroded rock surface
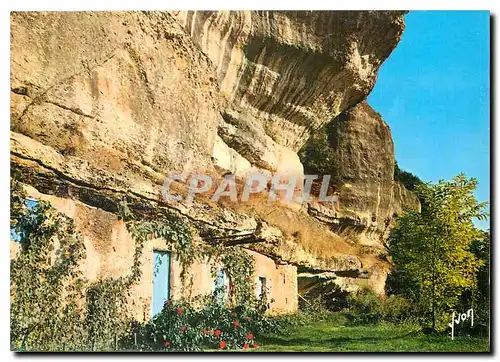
<point>287,73</point>
<point>363,149</point>
<point>113,87</point>
<point>105,105</point>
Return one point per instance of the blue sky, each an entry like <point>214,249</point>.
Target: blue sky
<point>433,91</point>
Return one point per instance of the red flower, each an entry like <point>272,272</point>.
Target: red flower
<point>249,336</point>
<point>210,332</point>
<point>183,329</point>
<point>166,344</point>
<point>247,318</point>
<point>245,346</point>
<point>217,333</point>
<point>179,311</point>
<point>235,314</point>
<point>236,323</point>
<point>255,345</point>
<point>222,344</point>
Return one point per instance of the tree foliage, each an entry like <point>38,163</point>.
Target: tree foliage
<point>407,179</point>
<point>431,249</point>
<point>481,295</point>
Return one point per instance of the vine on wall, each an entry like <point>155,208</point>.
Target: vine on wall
<point>54,308</point>
<point>46,283</point>
<point>240,268</point>
<point>178,236</point>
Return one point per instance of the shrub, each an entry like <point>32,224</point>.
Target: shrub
<point>366,307</point>
<point>396,309</point>
<point>181,326</point>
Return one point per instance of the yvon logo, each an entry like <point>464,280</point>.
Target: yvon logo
<point>461,317</point>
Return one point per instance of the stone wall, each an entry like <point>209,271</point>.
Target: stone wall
<point>110,251</point>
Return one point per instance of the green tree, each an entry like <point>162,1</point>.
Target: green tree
<point>481,295</point>
<point>409,180</point>
<point>431,249</point>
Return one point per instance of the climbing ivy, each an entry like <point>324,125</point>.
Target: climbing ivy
<point>107,319</point>
<point>240,268</point>
<point>178,236</point>
<point>54,308</point>
<point>46,283</point>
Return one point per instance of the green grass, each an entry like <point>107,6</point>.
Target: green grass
<point>336,337</point>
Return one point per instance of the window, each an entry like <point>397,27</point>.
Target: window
<point>261,287</point>
<point>31,204</point>
<point>220,286</point>
<point>161,280</point>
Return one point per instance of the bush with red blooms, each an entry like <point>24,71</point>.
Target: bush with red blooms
<point>214,326</point>
<point>222,344</point>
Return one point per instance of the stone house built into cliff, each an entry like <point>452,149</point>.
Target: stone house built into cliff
<point>109,248</point>
<point>104,105</point>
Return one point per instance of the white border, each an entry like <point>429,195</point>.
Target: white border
<point>6,355</point>
<point>254,5</point>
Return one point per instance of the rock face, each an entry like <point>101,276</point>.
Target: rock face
<point>113,89</point>
<point>362,145</point>
<point>285,74</point>
<point>105,105</point>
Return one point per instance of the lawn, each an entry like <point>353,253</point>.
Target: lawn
<point>334,337</point>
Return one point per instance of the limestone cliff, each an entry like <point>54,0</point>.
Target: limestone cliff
<point>104,105</point>
<point>361,144</point>
<point>285,74</point>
